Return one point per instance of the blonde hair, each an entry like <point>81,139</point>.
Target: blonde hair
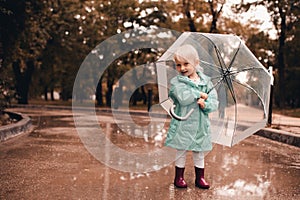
<point>187,53</point>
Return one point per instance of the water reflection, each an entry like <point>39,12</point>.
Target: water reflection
<point>250,170</point>
<point>245,174</point>
<point>229,160</point>
<point>137,138</point>
<point>243,188</point>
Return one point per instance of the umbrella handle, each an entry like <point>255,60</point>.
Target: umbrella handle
<point>173,114</point>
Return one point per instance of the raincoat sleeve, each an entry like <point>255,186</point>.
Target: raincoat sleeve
<point>211,103</point>
<point>183,94</point>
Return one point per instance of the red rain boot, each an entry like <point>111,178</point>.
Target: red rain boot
<point>179,180</point>
<point>200,181</point>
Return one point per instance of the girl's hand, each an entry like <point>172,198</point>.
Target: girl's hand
<point>203,95</point>
<point>201,103</point>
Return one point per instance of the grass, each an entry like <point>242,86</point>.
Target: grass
<point>139,106</point>
<point>49,102</point>
<point>292,112</point>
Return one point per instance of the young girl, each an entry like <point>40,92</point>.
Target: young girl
<point>189,90</point>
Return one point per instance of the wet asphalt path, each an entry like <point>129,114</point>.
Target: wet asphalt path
<point>51,162</point>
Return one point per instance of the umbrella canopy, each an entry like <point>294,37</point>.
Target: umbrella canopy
<point>243,84</point>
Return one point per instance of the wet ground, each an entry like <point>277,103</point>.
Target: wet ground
<point>51,162</point>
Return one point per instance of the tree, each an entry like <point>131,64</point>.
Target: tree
<point>23,39</point>
<point>187,12</point>
<point>195,12</point>
<point>216,7</point>
<point>113,16</point>
<point>284,15</point>
<point>293,63</point>
<point>119,16</point>
<point>7,90</point>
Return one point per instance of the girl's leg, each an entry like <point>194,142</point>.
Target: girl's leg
<point>198,158</point>
<point>179,169</point>
<point>180,158</point>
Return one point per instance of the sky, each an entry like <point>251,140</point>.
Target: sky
<point>259,13</point>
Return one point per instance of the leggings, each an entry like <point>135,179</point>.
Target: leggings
<point>198,158</point>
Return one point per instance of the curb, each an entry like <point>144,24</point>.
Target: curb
<point>280,136</point>
<point>12,130</point>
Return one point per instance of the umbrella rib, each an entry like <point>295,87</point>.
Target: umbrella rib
<point>222,64</point>
<point>235,72</point>
<point>235,120</point>
<point>228,82</point>
<point>221,61</point>
<point>234,56</point>
<point>210,64</point>
<point>221,77</point>
<point>230,87</point>
<point>242,70</point>
<point>215,85</point>
<point>224,74</point>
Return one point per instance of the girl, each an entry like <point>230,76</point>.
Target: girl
<point>188,90</point>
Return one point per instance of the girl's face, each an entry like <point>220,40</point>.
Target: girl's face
<point>185,68</point>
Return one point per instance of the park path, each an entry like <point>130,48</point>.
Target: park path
<point>51,162</point>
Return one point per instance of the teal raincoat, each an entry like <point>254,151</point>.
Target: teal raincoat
<point>194,133</point>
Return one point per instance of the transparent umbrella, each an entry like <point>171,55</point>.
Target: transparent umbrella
<point>243,84</point>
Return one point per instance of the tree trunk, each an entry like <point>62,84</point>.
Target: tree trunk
<point>186,6</point>
<point>23,80</point>
<point>99,96</point>
<point>118,95</point>
<point>213,26</point>
<point>64,94</point>
<point>52,95</point>
<point>134,97</point>
<point>144,95</point>
<point>109,92</point>
<point>46,93</point>
<point>281,62</point>
<point>215,15</point>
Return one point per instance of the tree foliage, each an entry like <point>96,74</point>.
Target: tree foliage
<point>43,43</point>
